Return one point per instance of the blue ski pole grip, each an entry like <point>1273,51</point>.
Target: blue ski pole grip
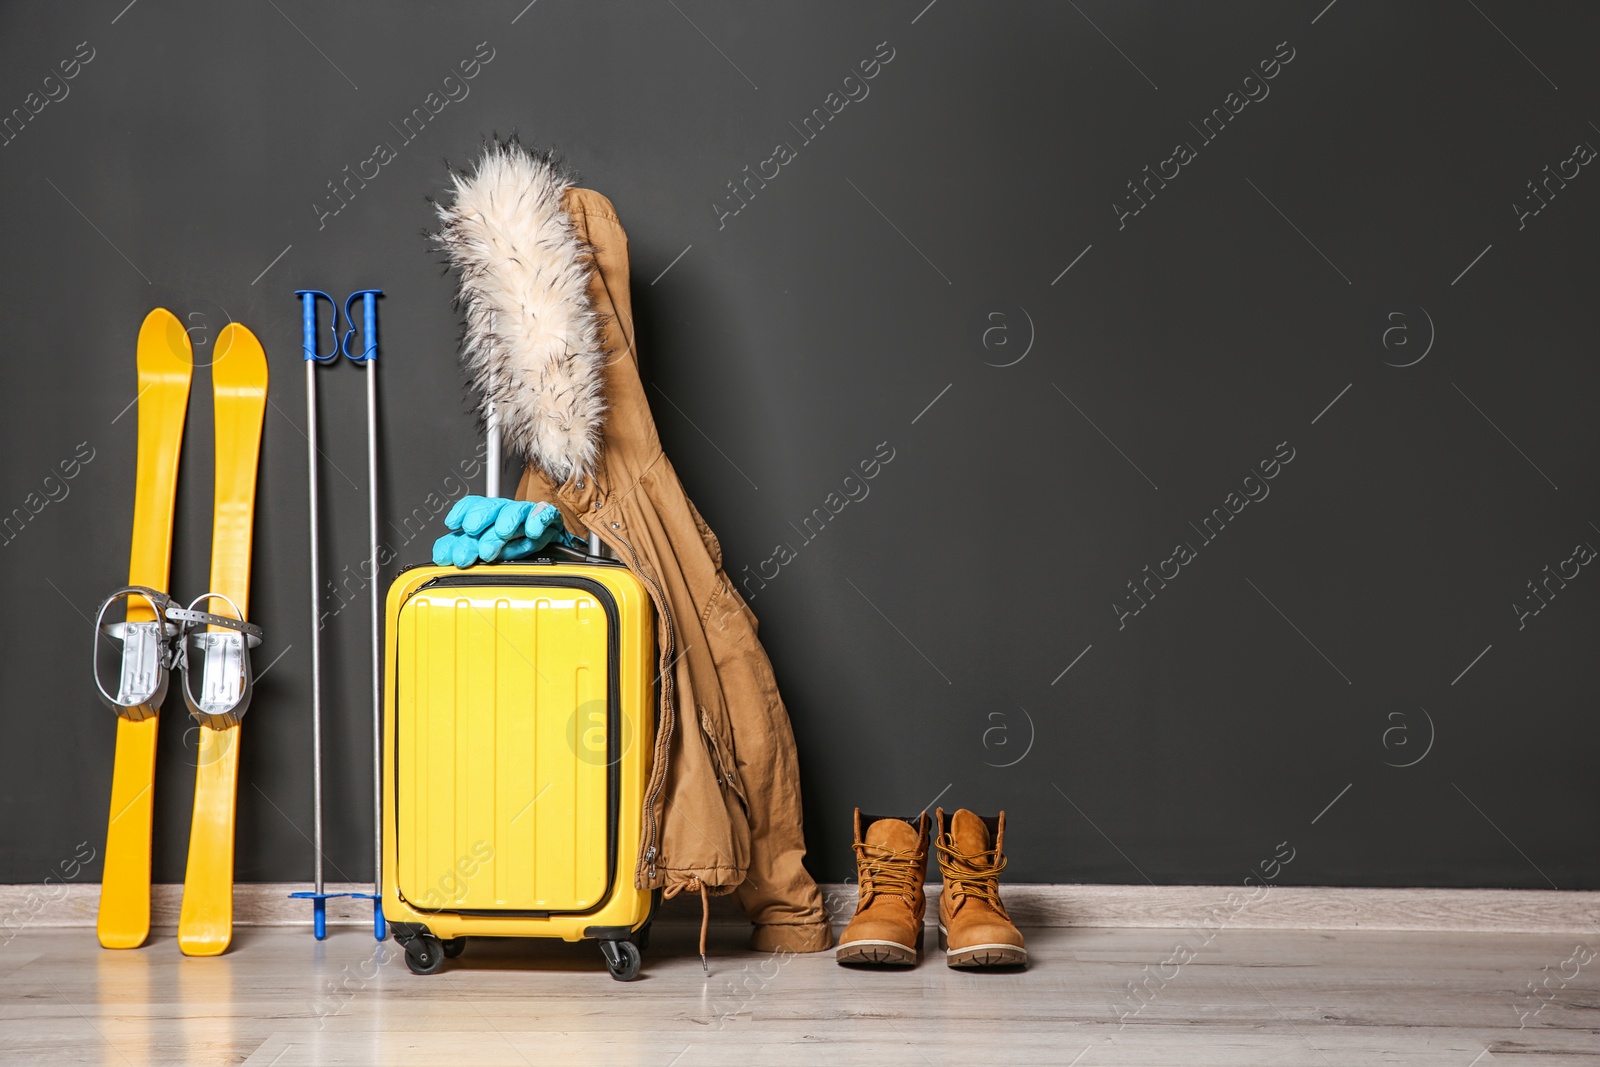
<point>369,324</point>
<point>308,324</point>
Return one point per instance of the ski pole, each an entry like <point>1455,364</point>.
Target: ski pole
<point>369,356</point>
<point>308,344</point>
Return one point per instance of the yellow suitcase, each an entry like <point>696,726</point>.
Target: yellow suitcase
<point>519,716</point>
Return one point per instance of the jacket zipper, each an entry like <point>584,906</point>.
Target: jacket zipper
<point>651,838</point>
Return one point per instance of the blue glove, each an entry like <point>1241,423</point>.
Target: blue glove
<point>455,550</point>
<point>506,551</point>
<point>474,514</point>
<point>508,524</point>
<point>493,529</point>
<point>522,528</point>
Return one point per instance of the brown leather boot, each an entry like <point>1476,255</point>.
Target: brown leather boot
<point>974,928</point>
<point>891,862</point>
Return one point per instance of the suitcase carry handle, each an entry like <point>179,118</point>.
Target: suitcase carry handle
<point>554,551</point>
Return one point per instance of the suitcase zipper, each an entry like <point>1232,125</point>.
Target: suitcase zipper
<point>667,707</point>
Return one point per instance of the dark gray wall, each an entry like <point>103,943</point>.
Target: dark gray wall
<point>957,633</point>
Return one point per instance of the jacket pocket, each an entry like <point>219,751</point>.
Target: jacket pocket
<point>744,674</point>
<point>721,744</point>
<point>707,537</point>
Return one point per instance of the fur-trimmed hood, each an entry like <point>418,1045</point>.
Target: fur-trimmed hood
<point>532,340</point>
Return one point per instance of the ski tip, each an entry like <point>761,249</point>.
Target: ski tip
<point>164,343</point>
<point>240,360</point>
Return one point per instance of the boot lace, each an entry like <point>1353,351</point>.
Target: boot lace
<point>975,874</point>
<point>892,872</point>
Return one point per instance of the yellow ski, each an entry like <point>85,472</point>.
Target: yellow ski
<point>166,364</point>
<point>239,394</point>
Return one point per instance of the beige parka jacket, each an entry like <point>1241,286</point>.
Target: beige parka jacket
<point>722,806</point>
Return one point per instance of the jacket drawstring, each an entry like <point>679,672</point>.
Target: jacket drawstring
<point>705,921</point>
<point>692,885</point>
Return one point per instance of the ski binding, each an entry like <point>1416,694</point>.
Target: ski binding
<point>147,655</point>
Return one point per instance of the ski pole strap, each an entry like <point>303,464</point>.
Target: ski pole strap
<point>226,679</point>
<point>308,324</point>
<point>369,325</point>
<point>147,655</point>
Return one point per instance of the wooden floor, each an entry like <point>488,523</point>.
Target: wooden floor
<point>1248,997</point>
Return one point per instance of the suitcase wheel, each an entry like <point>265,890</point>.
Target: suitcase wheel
<point>424,954</point>
<point>453,947</point>
<point>623,959</point>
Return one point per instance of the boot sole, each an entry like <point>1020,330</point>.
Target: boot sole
<point>877,953</point>
<point>982,957</point>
